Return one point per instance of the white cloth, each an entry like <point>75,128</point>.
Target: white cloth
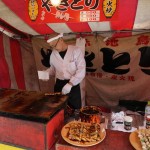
<point>43,75</point>
<point>66,89</point>
<point>71,68</point>
<point>80,42</point>
<point>118,117</point>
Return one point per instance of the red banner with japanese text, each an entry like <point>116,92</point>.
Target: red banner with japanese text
<point>117,69</point>
<point>42,11</point>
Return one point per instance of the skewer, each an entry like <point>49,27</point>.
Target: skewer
<point>51,94</point>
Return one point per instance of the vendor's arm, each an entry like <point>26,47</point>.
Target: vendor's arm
<point>51,70</point>
<point>81,68</point>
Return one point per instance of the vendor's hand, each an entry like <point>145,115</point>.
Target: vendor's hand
<point>66,89</point>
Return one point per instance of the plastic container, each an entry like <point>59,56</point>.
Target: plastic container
<point>147,109</point>
<point>128,122</point>
<point>147,113</point>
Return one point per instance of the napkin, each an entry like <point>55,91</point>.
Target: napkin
<point>117,122</point>
<point>43,75</point>
<point>120,127</point>
<point>117,117</point>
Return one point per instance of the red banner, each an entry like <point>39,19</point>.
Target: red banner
<point>42,11</point>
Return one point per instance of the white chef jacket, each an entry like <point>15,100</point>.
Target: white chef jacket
<point>72,67</point>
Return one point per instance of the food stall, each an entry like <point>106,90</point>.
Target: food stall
<point>114,38</point>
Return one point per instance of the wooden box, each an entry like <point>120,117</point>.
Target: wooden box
<point>30,120</point>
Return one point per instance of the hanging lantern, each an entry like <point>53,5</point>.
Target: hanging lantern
<point>33,9</point>
<point>109,7</point>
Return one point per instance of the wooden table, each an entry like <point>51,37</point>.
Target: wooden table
<point>30,119</point>
<point>115,140</point>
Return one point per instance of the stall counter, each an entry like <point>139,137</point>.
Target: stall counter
<point>30,119</point>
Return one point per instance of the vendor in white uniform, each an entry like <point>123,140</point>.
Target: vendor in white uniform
<point>67,63</point>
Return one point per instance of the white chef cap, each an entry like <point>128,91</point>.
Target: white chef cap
<point>54,38</point>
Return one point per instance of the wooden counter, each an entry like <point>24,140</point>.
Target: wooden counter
<point>30,119</point>
<point>114,140</point>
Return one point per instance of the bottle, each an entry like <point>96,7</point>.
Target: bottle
<point>147,109</point>
<point>147,114</point>
<point>128,122</point>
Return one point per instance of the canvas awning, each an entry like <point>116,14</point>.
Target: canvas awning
<point>133,15</point>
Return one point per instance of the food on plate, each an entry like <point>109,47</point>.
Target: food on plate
<point>144,135</point>
<point>84,132</point>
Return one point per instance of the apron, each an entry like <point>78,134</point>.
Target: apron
<point>74,99</point>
